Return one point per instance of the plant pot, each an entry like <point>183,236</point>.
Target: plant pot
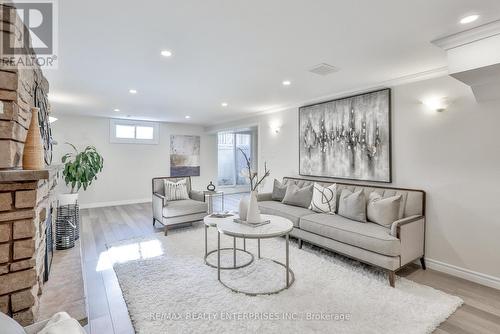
<point>67,199</point>
<point>253,213</point>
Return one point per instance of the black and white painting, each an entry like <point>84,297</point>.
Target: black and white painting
<point>347,138</point>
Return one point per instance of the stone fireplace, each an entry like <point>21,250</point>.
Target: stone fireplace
<point>26,196</point>
<point>25,203</point>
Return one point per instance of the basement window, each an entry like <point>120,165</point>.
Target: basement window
<point>123,131</point>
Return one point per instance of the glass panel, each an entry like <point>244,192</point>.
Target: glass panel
<point>225,156</point>
<point>144,132</point>
<point>243,142</point>
<point>125,131</point>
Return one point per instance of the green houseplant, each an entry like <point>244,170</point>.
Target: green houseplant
<point>80,169</point>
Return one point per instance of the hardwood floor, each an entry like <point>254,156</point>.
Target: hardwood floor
<point>108,312</point>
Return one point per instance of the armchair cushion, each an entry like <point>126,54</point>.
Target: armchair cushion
<point>175,191</point>
<point>183,208</point>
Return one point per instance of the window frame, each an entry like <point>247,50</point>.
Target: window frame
<point>113,122</point>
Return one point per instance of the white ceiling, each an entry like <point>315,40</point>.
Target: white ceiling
<point>240,51</point>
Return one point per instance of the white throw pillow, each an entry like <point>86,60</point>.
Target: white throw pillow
<point>324,199</point>
<point>62,323</point>
<point>175,191</point>
<point>383,211</point>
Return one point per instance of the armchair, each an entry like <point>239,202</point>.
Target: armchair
<point>171,213</point>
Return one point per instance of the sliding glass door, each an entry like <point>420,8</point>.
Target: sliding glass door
<point>231,162</point>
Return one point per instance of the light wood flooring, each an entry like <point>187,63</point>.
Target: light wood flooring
<point>108,313</point>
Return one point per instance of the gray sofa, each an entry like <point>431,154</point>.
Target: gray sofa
<point>387,248</point>
<point>172,213</point>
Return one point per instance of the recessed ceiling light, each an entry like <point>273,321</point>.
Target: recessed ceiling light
<point>187,117</point>
<point>132,91</point>
<point>469,19</point>
<point>224,104</point>
<point>116,110</point>
<point>286,82</point>
<point>166,53</point>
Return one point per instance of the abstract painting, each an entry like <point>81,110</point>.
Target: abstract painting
<point>347,138</point>
<point>184,155</point>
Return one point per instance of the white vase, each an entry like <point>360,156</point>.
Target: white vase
<point>66,199</point>
<point>243,208</point>
<point>253,213</point>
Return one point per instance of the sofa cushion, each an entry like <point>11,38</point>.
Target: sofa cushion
<point>287,211</point>
<point>298,196</point>
<point>324,199</point>
<point>279,191</point>
<point>183,208</point>
<point>383,211</point>
<point>9,325</point>
<point>352,205</point>
<point>368,236</point>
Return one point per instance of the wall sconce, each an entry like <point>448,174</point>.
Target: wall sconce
<point>438,104</point>
<point>276,129</point>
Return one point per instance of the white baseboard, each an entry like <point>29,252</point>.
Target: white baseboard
<point>114,203</point>
<point>470,275</point>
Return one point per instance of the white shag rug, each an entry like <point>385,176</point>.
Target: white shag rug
<point>169,289</point>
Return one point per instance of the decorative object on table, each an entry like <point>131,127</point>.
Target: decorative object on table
<point>65,234</point>
<point>214,200</point>
<point>239,221</point>
<point>347,138</point>
<point>33,148</point>
<point>184,156</point>
<point>42,103</point>
<point>252,212</point>
<point>324,199</point>
<point>211,186</point>
<point>221,215</point>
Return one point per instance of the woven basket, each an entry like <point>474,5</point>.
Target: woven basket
<point>33,158</point>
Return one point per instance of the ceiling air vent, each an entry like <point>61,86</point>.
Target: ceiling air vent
<point>323,69</point>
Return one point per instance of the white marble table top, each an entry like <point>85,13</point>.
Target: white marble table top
<point>213,221</point>
<point>277,227</point>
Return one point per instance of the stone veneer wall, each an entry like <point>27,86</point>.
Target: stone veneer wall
<point>24,209</point>
<point>25,196</point>
<point>17,87</point>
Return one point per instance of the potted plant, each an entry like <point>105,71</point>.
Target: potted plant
<point>80,169</point>
<point>249,208</point>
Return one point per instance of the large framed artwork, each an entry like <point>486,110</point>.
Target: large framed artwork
<point>348,138</point>
<point>184,155</point>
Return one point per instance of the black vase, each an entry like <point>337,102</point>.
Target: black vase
<point>211,187</point>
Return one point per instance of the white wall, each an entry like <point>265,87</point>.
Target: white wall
<point>129,168</point>
<point>454,156</point>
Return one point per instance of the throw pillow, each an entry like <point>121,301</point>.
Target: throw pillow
<point>298,196</point>
<point>62,323</point>
<point>324,199</point>
<point>383,211</point>
<point>279,191</point>
<point>353,205</point>
<point>175,191</point>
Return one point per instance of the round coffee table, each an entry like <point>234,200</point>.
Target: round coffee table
<point>210,221</point>
<point>277,227</point>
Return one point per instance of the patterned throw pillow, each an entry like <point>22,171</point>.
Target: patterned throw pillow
<point>324,199</point>
<point>175,191</point>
